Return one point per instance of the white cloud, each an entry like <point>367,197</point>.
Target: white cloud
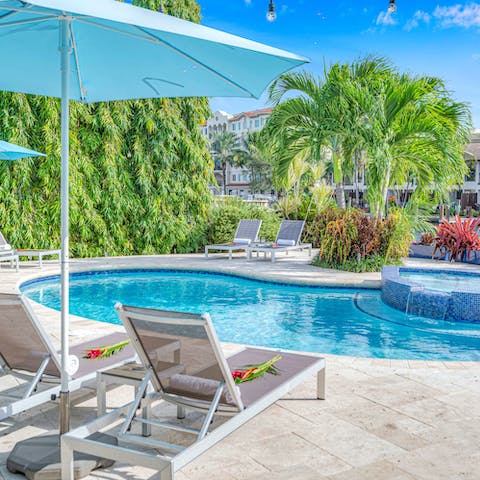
<point>466,16</point>
<point>476,57</point>
<point>418,17</point>
<point>248,2</point>
<point>385,18</point>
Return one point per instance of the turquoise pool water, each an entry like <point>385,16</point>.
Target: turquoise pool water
<point>326,320</point>
<point>445,282</point>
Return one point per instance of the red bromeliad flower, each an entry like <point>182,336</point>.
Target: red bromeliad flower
<point>255,371</point>
<point>105,351</point>
<point>95,353</point>
<point>237,374</point>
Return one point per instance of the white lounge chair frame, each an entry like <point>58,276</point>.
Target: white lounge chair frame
<point>38,388</point>
<point>247,230</point>
<point>166,465</point>
<point>283,234</point>
<point>8,255</point>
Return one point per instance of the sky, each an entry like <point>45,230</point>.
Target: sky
<point>436,38</point>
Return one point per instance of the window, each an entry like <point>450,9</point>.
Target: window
<point>233,126</point>
<point>472,168</point>
<point>234,178</point>
<point>251,123</point>
<point>244,123</point>
<point>257,123</point>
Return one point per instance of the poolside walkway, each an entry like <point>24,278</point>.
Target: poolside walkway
<point>382,419</point>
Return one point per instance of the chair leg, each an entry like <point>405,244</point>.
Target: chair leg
<point>180,412</point>
<point>321,384</point>
<point>101,394</point>
<point>146,414</point>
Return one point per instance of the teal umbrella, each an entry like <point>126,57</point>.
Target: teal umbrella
<point>101,50</point>
<point>10,151</point>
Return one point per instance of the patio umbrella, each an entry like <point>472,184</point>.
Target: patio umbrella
<point>100,50</point>
<point>10,151</point>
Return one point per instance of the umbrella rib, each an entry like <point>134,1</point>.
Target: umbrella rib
<point>194,60</point>
<point>152,38</point>
<point>9,13</point>
<point>30,20</point>
<point>77,64</point>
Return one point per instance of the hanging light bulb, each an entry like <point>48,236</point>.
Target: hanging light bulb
<point>271,15</point>
<point>392,6</point>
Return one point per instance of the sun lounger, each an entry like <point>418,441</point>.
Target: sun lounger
<point>7,253</point>
<point>288,238</point>
<point>247,233</point>
<point>30,365</point>
<point>200,380</point>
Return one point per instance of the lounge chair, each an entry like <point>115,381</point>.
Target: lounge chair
<point>201,380</point>
<point>28,356</point>
<point>247,233</point>
<point>7,253</point>
<point>288,238</point>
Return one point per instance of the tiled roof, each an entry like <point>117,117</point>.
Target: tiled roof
<point>473,148</point>
<point>253,113</point>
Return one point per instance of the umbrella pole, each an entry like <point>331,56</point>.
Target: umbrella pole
<point>65,51</point>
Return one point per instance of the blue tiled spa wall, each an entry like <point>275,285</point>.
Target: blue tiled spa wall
<point>415,299</point>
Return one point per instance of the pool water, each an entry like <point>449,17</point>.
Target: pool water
<point>444,282</point>
<point>316,319</point>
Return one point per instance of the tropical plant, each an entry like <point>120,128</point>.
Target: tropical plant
<point>350,240</point>
<point>255,155</point>
<point>321,124</point>
<point>223,150</point>
<point>403,130</point>
<point>412,132</point>
<point>139,175</point>
<point>458,239</point>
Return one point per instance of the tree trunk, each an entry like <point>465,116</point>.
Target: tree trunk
<point>224,175</point>
<point>338,179</point>
<point>340,195</point>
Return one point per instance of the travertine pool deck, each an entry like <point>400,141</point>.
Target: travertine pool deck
<point>382,419</point>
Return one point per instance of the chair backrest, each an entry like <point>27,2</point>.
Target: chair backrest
<point>23,342</point>
<point>290,232</point>
<point>4,245</point>
<point>199,354</point>
<point>247,231</point>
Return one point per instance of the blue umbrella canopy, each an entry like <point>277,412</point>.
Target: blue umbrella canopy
<point>101,50</point>
<point>10,151</point>
<point>120,51</point>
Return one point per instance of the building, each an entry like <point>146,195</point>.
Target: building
<point>238,179</point>
<point>470,193</point>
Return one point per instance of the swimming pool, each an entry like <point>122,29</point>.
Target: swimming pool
<point>317,319</point>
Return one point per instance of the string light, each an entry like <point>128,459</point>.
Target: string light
<point>271,15</point>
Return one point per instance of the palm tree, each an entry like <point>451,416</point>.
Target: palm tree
<point>255,155</point>
<point>411,131</point>
<point>224,145</point>
<point>401,128</point>
<point>320,123</point>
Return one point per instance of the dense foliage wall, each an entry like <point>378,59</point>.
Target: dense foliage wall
<point>139,171</point>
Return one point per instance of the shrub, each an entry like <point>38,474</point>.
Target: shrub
<point>224,217</point>
<point>459,238</point>
<point>427,239</point>
<point>349,240</point>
